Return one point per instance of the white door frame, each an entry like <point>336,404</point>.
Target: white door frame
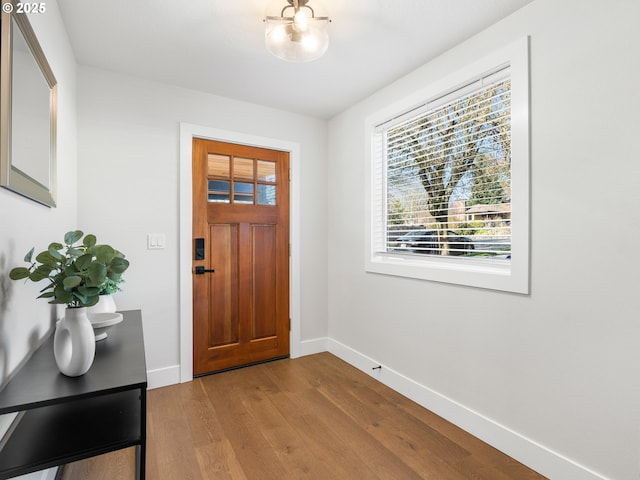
<point>187,132</point>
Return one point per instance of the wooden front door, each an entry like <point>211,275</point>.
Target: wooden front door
<point>240,255</point>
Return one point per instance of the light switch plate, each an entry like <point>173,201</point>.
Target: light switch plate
<point>156,241</point>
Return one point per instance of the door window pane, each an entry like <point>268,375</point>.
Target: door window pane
<point>218,191</point>
<point>219,165</point>
<point>266,194</point>
<point>243,168</point>
<point>242,192</point>
<point>266,171</point>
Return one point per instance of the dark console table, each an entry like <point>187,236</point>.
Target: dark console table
<point>68,419</point>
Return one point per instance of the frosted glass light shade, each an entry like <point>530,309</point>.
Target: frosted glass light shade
<point>295,41</point>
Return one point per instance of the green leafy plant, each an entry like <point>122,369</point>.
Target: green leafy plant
<point>109,287</point>
<point>77,272</point>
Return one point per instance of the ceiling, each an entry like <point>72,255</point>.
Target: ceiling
<point>217,46</point>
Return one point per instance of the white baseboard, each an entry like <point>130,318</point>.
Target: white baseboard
<point>49,474</point>
<point>316,345</point>
<point>162,377</point>
<point>535,456</point>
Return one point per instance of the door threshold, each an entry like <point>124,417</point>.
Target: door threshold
<point>241,366</point>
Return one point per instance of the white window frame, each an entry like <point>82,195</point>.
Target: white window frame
<point>510,276</point>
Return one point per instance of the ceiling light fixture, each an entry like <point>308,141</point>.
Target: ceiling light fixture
<point>299,38</point>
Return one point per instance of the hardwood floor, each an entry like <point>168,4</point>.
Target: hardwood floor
<point>314,417</point>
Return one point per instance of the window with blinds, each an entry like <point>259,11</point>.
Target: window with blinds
<point>448,177</point>
<point>448,174</point>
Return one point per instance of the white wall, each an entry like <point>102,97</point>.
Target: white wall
<point>128,176</point>
<point>24,321</point>
<point>560,366</point>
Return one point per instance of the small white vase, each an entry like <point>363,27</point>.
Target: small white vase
<point>105,304</point>
<point>74,343</point>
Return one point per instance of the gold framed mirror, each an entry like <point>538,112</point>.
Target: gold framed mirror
<point>28,111</point>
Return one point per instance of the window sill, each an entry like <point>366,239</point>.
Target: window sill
<point>496,274</point>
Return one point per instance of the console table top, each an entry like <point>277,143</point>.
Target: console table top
<point>119,365</point>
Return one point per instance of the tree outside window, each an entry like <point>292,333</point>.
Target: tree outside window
<point>448,177</point>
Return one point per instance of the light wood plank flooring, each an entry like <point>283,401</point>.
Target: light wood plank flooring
<point>314,417</point>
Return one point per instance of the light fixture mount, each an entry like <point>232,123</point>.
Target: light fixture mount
<point>301,37</point>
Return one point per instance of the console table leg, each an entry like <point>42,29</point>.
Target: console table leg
<point>141,451</point>
<point>140,462</point>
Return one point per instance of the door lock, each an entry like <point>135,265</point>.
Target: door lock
<point>199,244</point>
<point>200,270</point>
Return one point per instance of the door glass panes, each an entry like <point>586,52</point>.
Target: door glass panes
<point>218,191</point>
<point>219,165</point>
<point>218,173</point>
<point>242,192</point>
<point>266,171</point>
<point>240,180</point>
<point>243,168</point>
<point>266,194</point>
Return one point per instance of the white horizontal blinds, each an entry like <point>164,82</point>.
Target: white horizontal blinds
<point>448,173</point>
<point>378,184</point>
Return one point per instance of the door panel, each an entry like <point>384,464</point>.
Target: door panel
<point>263,275</point>
<point>224,289</point>
<point>241,209</point>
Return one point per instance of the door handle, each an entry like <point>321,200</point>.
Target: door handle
<point>200,270</point>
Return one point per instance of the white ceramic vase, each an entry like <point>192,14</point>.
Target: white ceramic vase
<point>105,304</point>
<point>74,343</point>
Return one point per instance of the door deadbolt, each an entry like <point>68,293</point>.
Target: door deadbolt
<point>199,248</point>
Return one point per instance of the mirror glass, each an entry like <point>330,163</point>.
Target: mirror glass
<point>30,129</point>
<point>28,113</point>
